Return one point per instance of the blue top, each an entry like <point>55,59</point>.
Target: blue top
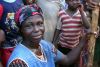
<point>26,55</point>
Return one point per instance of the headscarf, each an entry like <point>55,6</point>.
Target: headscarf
<point>24,12</point>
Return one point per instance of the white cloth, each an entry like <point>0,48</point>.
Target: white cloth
<point>10,1</point>
<point>50,12</point>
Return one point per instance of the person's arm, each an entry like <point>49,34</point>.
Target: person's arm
<point>84,17</point>
<point>73,54</point>
<point>91,4</point>
<point>57,32</point>
<point>1,64</point>
<point>2,37</point>
<point>56,37</point>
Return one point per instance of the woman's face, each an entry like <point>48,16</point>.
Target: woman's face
<point>33,29</point>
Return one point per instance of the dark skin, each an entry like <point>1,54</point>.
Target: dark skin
<point>1,64</point>
<point>32,31</point>
<point>93,3</point>
<point>2,39</point>
<point>35,29</point>
<point>73,5</point>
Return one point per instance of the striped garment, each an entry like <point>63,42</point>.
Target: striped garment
<point>71,29</point>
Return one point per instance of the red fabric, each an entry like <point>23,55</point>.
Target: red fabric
<point>1,11</point>
<point>5,54</point>
<point>71,28</point>
<point>20,13</point>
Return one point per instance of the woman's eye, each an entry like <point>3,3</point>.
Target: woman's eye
<point>29,26</point>
<point>40,23</point>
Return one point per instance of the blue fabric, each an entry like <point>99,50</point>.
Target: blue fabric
<point>7,22</point>
<point>23,53</point>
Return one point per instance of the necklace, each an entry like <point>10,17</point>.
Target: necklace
<point>42,56</point>
<point>38,52</point>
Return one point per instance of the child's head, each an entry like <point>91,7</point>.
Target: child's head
<point>73,4</point>
<point>2,36</point>
<point>31,23</point>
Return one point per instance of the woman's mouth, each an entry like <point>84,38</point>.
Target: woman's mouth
<point>37,37</point>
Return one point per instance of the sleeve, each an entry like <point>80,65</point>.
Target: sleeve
<point>1,11</point>
<point>17,63</point>
<point>57,55</point>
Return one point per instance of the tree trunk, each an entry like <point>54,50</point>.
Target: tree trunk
<point>91,43</point>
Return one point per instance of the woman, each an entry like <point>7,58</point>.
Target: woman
<point>33,51</point>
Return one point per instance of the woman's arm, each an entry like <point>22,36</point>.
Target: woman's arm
<point>74,53</point>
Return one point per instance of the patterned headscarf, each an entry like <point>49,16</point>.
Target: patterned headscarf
<point>23,13</point>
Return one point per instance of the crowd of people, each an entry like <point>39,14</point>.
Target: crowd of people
<point>41,33</point>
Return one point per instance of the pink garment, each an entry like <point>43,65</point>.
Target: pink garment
<point>71,29</point>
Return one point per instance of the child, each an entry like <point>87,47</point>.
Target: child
<point>73,21</point>
<point>33,51</point>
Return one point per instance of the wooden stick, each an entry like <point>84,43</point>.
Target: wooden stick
<point>91,43</point>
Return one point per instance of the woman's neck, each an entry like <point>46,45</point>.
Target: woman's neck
<point>9,1</point>
<point>31,45</point>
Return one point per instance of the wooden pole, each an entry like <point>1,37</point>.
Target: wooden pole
<point>91,43</point>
